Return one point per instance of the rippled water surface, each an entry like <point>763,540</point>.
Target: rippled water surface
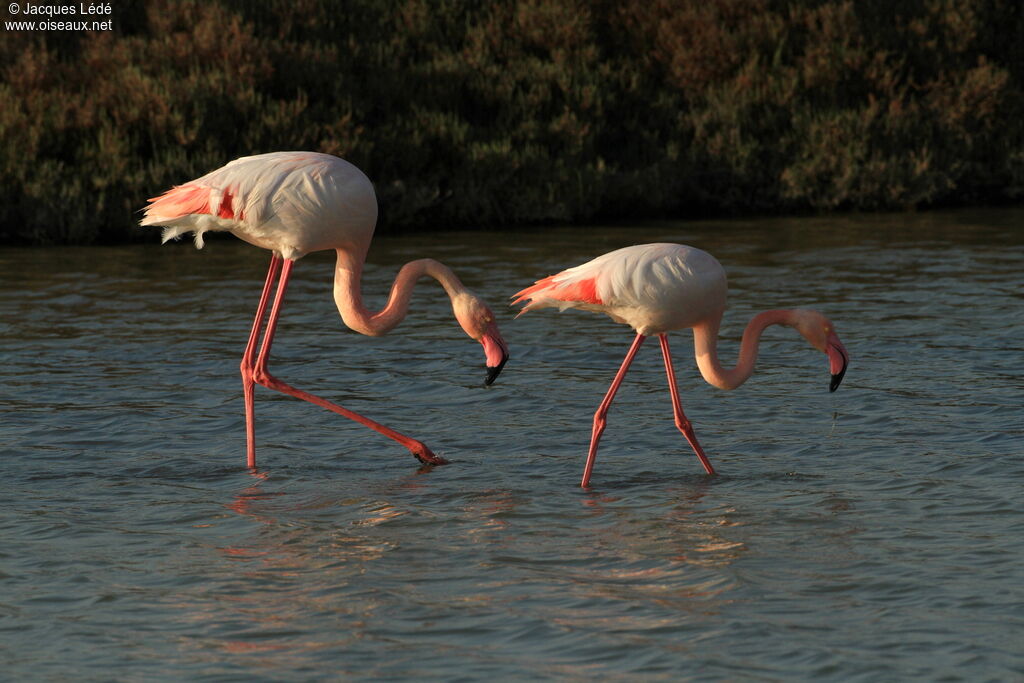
<point>871,534</point>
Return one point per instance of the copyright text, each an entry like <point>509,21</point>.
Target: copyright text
<point>67,17</point>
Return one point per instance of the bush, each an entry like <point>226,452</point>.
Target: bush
<point>482,114</point>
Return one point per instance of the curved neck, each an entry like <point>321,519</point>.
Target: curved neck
<point>705,346</point>
<point>349,299</point>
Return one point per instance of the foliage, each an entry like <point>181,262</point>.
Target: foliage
<point>524,111</point>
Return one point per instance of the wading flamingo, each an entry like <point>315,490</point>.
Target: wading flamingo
<point>294,203</point>
<point>655,288</point>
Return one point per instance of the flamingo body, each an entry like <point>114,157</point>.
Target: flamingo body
<point>653,288</point>
<point>291,203</point>
<point>657,288</point>
<point>294,203</point>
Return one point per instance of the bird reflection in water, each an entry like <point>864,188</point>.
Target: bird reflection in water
<point>489,511</point>
<point>654,559</point>
<point>292,567</point>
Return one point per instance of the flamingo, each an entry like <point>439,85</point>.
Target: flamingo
<point>294,203</point>
<point>656,288</point>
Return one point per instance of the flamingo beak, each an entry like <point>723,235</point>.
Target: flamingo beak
<point>496,350</point>
<point>838,359</point>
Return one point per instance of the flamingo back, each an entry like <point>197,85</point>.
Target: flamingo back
<point>652,288</point>
<point>290,202</point>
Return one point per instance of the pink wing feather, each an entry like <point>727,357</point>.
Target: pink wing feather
<point>562,287</point>
<point>183,200</point>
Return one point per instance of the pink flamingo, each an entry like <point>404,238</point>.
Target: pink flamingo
<point>294,203</point>
<point>655,288</point>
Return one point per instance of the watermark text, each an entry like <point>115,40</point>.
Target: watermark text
<point>81,16</point>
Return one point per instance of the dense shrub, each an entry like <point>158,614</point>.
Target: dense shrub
<point>471,114</point>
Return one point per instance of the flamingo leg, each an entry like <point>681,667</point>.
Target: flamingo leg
<point>600,416</point>
<point>681,421</point>
<point>248,357</point>
<point>263,377</point>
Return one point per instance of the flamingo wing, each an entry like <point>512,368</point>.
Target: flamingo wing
<point>651,287</point>
<point>290,202</point>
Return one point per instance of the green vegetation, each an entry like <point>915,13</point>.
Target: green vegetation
<point>479,114</point>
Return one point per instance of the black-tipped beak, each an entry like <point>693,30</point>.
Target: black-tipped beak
<point>493,372</point>
<point>497,353</point>
<point>836,379</point>
<point>838,358</point>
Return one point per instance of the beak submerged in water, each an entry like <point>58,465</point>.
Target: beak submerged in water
<point>496,350</point>
<point>838,359</point>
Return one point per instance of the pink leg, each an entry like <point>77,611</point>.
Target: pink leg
<point>263,377</point>
<point>681,422</point>
<point>602,410</point>
<point>248,383</point>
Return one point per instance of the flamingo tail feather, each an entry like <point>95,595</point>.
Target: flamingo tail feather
<point>558,291</point>
<point>190,208</point>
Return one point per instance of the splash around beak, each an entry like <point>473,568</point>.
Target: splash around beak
<point>496,350</point>
<point>838,360</point>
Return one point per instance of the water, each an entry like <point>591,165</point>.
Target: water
<point>871,534</point>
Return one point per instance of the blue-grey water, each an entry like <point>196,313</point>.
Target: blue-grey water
<point>876,533</point>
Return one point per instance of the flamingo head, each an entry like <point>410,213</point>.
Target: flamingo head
<point>821,333</point>
<point>479,323</point>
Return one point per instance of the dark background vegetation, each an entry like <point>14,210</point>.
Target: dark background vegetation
<point>481,114</point>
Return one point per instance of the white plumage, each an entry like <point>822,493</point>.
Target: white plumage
<point>291,203</point>
<point>653,288</point>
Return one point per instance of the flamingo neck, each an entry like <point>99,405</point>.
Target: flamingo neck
<point>705,346</point>
<point>349,299</point>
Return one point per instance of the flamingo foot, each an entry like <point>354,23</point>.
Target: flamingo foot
<point>425,455</point>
